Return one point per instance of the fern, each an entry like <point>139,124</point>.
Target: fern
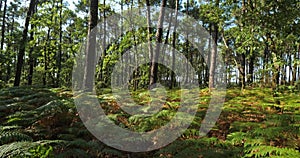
<point>27,148</point>
<point>7,137</point>
<point>270,151</point>
<point>16,149</point>
<point>9,128</point>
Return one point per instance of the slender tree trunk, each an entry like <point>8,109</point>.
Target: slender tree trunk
<point>8,69</point>
<point>122,29</point>
<point>154,65</point>
<point>265,75</point>
<point>149,29</point>
<point>46,58</point>
<point>3,25</point>
<point>20,58</point>
<point>59,56</point>
<point>208,58</point>
<point>103,43</point>
<point>241,67</point>
<point>294,65</point>
<point>31,60</point>
<point>173,80</point>
<point>213,54</point>
<point>3,32</point>
<point>251,68</point>
<point>91,47</point>
<point>187,47</point>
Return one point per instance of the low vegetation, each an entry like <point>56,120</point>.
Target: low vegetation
<point>43,122</point>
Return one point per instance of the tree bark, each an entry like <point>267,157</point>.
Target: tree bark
<point>294,69</point>
<point>154,64</point>
<point>251,69</point>
<point>91,47</point>
<point>187,48</point>
<point>241,67</point>
<point>3,25</point>
<point>213,54</point>
<point>46,58</point>
<point>8,68</point>
<point>20,58</point>
<point>103,43</point>
<point>149,29</point>
<point>31,60</point>
<point>173,80</point>
<point>59,56</point>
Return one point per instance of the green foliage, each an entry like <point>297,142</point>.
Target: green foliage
<point>7,137</point>
<point>246,128</point>
<point>270,151</point>
<point>28,149</point>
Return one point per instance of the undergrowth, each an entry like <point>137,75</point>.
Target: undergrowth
<point>42,122</point>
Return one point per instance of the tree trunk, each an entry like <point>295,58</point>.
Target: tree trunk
<point>103,43</point>
<point>60,45</point>
<point>46,58</point>
<point>251,69</point>
<point>8,68</point>
<point>20,59</point>
<point>241,67</point>
<point>154,64</point>
<point>294,70</point>
<point>91,47</point>
<point>213,54</point>
<point>3,25</point>
<point>3,31</point>
<point>31,60</point>
<point>149,29</point>
<point>187,48</point>
<point>173,81</point>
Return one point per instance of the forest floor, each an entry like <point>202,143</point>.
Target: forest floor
<point>44,122</point>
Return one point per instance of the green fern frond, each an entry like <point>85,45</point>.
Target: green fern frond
<point>270,151</point>
<point>16,149</point>
<point>8,137</point>
<point>9,128</point>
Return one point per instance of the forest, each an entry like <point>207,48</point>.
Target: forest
<point>150,78</point>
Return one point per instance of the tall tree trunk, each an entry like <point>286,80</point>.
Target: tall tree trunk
<point>60,45</point>
<point>294,69</point>
<point>8,68</point>
<point>251,69</point>
<point>213,54</point>
<point>46,58</point>
<point>173,80</point>
<point>120,54</point>
<point>251,66</point>
<point>149,29</point>
<point>91,47</point>
<point>241,67</point>
<point>103,43</point>
<point>265,75</point>
<point>154,64</point>
<point>187,47</point>
<point>20,59</point>
<point>208,58</point>
<point>3,25</point>
<point>3,32</point>
<point>31,60</point>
